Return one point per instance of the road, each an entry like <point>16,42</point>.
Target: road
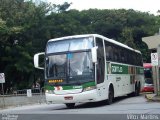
<point>122,105</point>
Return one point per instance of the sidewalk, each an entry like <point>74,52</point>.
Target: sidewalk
<point>152,97</point>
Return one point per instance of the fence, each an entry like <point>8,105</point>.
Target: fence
<point>24,92</point>
<point>19,98</point>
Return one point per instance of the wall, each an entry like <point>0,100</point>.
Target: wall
<point>21,100</point>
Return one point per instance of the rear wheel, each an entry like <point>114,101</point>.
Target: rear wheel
<point>136,92</point>
<point>70,105</point>
<point>137,89</point>
<point>110,96</point>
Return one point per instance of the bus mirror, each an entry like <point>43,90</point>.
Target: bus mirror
<point>94,54</point>
<point>37,59</point>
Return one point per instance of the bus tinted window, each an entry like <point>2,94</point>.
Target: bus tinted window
<point>109,51</point>
<point>148,73</point>
<point>69,45</point>
<point>100,61</point>
<point>119,54</point>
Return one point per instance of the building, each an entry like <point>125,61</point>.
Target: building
<point>152,42</point>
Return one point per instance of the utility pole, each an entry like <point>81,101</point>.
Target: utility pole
<point>154,62</point>
<point>2,80</point>
<point>154,76</point>
<point>158,71</point>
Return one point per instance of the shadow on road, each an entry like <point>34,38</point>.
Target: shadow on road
<point>96,104</point>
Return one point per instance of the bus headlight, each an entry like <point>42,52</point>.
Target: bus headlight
<point>50,91</point>
<point>46,91</point>
<point>89,88</point>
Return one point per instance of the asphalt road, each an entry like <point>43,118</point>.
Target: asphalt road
<point>123,108</point>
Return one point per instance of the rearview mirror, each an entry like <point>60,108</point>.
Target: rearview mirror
<point>37,59</point>
<point>94,54</point>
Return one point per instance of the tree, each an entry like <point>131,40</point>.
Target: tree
<point>25,29</point>
<point>127,34</point>
<point>63,7</point>
<point>19,24</point>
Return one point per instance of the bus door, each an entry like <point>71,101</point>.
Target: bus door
<point>100,67</point>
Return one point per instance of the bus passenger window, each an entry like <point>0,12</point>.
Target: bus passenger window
<point>108,49</point>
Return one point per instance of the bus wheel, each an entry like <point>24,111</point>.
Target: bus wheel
<point>136,92</point>
<point>70,105</point>
<point>137,89</point>
<point>110,96</point>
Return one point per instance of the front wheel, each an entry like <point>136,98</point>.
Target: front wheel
<point>70,105</point>
<point>110,96</point>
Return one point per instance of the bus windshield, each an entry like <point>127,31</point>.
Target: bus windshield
<point>148,73</point>
<point>72,68</point>
<point>67,65</point>
<point>147,70</point>
<point>69,45</point>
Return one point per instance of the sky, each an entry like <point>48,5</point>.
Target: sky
<point>151,6</point>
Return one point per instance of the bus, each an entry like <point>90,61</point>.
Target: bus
<point>90,68</point>
<point>148,85</point>
<point>148,71</point>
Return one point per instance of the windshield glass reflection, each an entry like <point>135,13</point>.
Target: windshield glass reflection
<point>69,45</point>
<point>71,67</point>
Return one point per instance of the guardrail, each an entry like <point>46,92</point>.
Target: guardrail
<point>24,91</point>
<point>19,98</point>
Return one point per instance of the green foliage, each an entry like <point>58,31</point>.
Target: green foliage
<point>25,29</point>
<point>127,35</point>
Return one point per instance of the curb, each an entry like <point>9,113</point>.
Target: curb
<point>152,97</point>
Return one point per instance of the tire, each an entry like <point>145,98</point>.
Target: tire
<point>70,105</point>
<point>110,96</point>
<point>137,89</point>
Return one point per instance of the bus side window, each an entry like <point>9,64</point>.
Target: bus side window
<point>122,56</point>
<point>100,60</point>
<point>108,49</point>
<point>115,54</point>
<point>127,57</point>
<point>119,54</point>
<point>134,58</point>
<point>139,60</point>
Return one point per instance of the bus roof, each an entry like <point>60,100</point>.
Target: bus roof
<point>147,65</point>
<point>95,35</point>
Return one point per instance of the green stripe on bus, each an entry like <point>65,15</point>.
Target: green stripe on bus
<point>71,87</point>
<point>88,84</point>
<point>140,70</point>
<point>49,87</point>
<point>125,69</point>
<point>119,69</point>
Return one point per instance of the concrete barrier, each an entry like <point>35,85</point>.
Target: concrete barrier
<point>20,100</point>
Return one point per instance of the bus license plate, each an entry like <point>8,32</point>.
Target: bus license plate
<point>68,98</point>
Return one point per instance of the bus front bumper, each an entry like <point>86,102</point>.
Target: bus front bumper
<point>87,96</point>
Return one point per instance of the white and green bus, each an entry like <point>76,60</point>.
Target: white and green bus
<point>89,68</point>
